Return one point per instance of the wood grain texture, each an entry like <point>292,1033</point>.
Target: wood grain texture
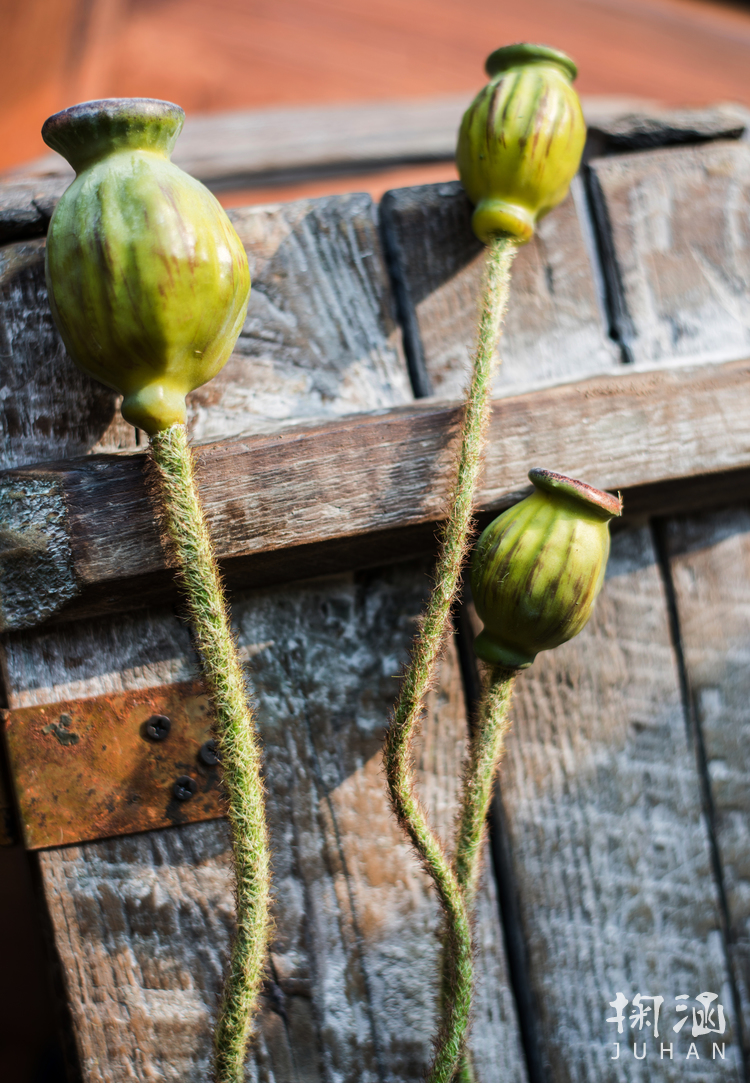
<point>609,845</point>
<point>320,339</point>
<point>143,922</point>
<point>710,564</point>
<point>352,479</point>
<point>555,329</point>
<point>48,408</point>
<point>678,224</point>
<point>246,143</point>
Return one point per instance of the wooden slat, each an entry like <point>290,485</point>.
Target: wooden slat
<point>675,224</point>
<point>237,146</point>
<point>555,330</point>
<point>143,922</point>
<point>86,528</point>
<point>247,143</point>
<point>321,337</point>
<point>608,844</point>
<point>710,565</point>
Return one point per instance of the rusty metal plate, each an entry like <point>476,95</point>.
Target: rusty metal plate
<point>92,768</point>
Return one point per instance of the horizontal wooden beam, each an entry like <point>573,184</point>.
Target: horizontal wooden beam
<point>245,148</point>
<point>79,537</point>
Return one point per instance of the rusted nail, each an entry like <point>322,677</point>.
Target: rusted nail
<point>209,753</point>
<point>184,787</point>
<point>158,726</point>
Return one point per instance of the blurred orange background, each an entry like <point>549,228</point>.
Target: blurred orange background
<point>232,54</point>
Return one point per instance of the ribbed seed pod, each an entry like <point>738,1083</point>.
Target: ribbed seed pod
<point>521,140</point>
<point>538,568</point>
<point>148,281</point>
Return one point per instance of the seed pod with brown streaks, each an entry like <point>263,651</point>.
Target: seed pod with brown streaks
<point>521,140</point>
<point>538,568</point>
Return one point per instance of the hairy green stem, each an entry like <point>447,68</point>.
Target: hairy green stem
<point>485,752</point>
<point>457,968</point>
<point>237,739</point>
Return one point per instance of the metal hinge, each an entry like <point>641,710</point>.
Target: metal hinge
<point>113,765</point>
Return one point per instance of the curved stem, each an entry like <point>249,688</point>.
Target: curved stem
<point>237,739</point>
<point>419,675</point>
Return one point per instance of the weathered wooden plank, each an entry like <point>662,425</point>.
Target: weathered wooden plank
<point>278,145</point>
<point>555,329</point>
<point>83,532</point>
<point>710,567</point>
<point>143,922</point>
<point>642,130</point>
<point>608,843</point>
<point>161,980</point>
<point>236,146</point>
<point>45,402</point>
<point>320,339</point>
<point>676,224</point>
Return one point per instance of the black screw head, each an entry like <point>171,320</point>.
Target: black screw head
<point>209,753</point>
<point>157,727</point>
<point>184,787</point>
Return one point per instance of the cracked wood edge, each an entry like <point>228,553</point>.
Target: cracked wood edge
<point>297,503</point>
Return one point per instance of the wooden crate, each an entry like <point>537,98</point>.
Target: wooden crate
<point>618,860</point>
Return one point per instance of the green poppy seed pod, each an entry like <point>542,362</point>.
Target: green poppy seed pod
<point>538,568</point>
<point>147,279</point>
<point>521,140</point>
